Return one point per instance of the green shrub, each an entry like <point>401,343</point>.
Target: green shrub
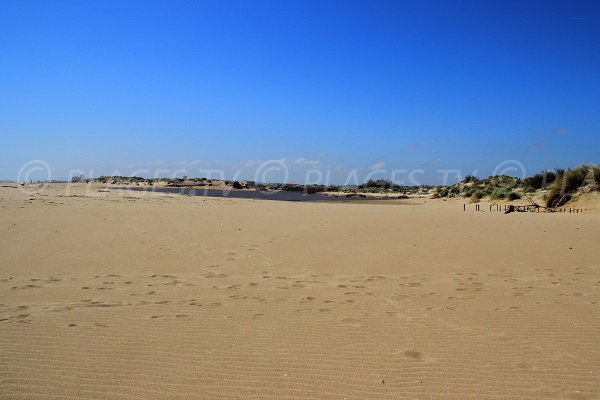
<point>440,192</point>
<point>454,190</point>
<point>513,196</point>
<point>499,194</point>
<point>543,179</point>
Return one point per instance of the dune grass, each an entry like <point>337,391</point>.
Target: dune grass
<point>570,182</point>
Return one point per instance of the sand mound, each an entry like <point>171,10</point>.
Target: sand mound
<point>588,200</point>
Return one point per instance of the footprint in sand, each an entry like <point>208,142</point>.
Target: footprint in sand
<point>413,355</point>
<point>213,275</point>
<point>169,316</point>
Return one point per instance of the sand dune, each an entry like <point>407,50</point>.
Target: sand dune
<point>118,294</point>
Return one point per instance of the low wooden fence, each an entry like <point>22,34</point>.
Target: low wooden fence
<point>510,208</point>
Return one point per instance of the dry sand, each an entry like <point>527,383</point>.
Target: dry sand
<point>125,295</point>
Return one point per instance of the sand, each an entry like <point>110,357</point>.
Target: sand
<point>123,295</point>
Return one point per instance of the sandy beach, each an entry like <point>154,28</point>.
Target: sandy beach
<point>126,295</point>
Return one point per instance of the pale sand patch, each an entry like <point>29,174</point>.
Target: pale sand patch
<point>126,295</point>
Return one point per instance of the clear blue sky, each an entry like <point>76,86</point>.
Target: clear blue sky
<point>333,85</point>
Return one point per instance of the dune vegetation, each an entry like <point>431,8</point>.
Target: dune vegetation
<point>570,182</point>
<point>557,186</point>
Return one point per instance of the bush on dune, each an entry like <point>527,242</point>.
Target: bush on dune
<point>440,192</point>
<point>499,194</point>
<point>570,181</point>
<point>543,179</point>
<point>514,196</point>
<point>475,195</point>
